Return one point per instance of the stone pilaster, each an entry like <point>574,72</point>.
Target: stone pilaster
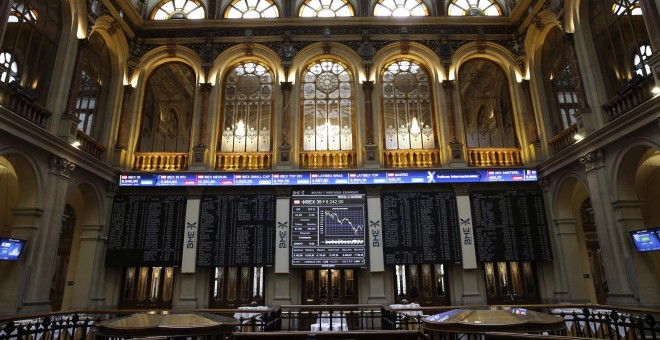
<point>37,292</point>
<point>616,257</point>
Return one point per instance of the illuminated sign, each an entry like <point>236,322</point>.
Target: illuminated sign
<point>221,179</point>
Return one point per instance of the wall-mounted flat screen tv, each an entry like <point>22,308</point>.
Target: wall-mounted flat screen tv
<point>646,240</point>
<point>10,248</point>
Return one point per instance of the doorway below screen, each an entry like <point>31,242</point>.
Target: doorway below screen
<point>423,284</point>
<point>511,283</point>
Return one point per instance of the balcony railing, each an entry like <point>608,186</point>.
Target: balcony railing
<point>160,161</point>
<point>328,159</point>
<point>243,160</point>
<point>637,91</point>
<point>563,139</point>
<point>494,157</point>
<point>362,322</point>
<point>23,105</point>
<point>89,144</point>
<point>416,158</point>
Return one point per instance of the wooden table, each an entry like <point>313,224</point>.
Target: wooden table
<point>475,323</point>
<point>167,325</point>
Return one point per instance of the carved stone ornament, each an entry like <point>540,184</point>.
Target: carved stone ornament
<point>61,166</point>
<point>591,160</point>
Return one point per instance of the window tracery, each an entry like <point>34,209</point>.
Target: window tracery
<point>407,106</point>
<point>327,106</point>
<point>326,8</point>
<point>247,109</point>
<point>400,8</point>
<point>251,9</point>
<point>8,67</point>
<point>178,9</point>
<point>474,8</point>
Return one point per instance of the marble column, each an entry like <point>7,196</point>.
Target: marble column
<point>629,216</point>
<point>25,226</point>
<point>370,147</point>
<point>4,16</point>
<point>455,147</point>
<point>68,125</point>
<point>570,284</point>
<point>123,131</point>
<point>91,254</point>
<point>616,256</point>
<point>42,266</point>
<point>583,115</point>
<point>285,146</point>
<point>200,151</point>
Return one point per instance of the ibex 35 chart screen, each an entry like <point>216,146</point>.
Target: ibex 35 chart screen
<point>328,228</point>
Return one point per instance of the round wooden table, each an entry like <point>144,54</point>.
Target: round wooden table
<point>167,325</point>
<point>475,323</point>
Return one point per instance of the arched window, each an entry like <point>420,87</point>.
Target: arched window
<point>639,60</point>
<point>621,7</point>
<point>168,108</point>
<point>408,120</point>
<point>93,92</point>
<point>22,12</point>
<point>474,8</point>
<point>486,104</point>
<point>327,106</point>
<point>250,9</point>
<point>617,29</point>
<point>32,37</point>
<point>400,8</point>
<point>8,67</point>
<point>326,8</point>
<point>248,107</point>
<point>178,9</point>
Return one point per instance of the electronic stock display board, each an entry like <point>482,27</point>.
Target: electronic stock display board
<point>328,229</point>
<point>379,177</point>
<point>510,225</point>
<point>146,231</point>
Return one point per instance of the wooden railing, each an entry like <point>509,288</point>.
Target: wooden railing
<point>160,161</point>
<point>89,144</point>
<point>243,160</point>
<point>22,105</point>
<point>494,157</point>
<point>563,139</point>
<point>328,159</point>
<point>633,94</point>
<point>417,158</point>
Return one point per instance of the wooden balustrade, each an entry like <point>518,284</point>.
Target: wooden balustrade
<point>563,139</point>
<point>243,160</point>
<point>23,106</point>
<point>416,158</point>
<point>494,157</point>
<point>160,161</point>
<point>89,144</point>
<point>328,159</point>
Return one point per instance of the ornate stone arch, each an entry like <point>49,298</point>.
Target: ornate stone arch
<point>29,179</point>
<point>150,62</point>
<point>417,51</point>
<point>503,58</point>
